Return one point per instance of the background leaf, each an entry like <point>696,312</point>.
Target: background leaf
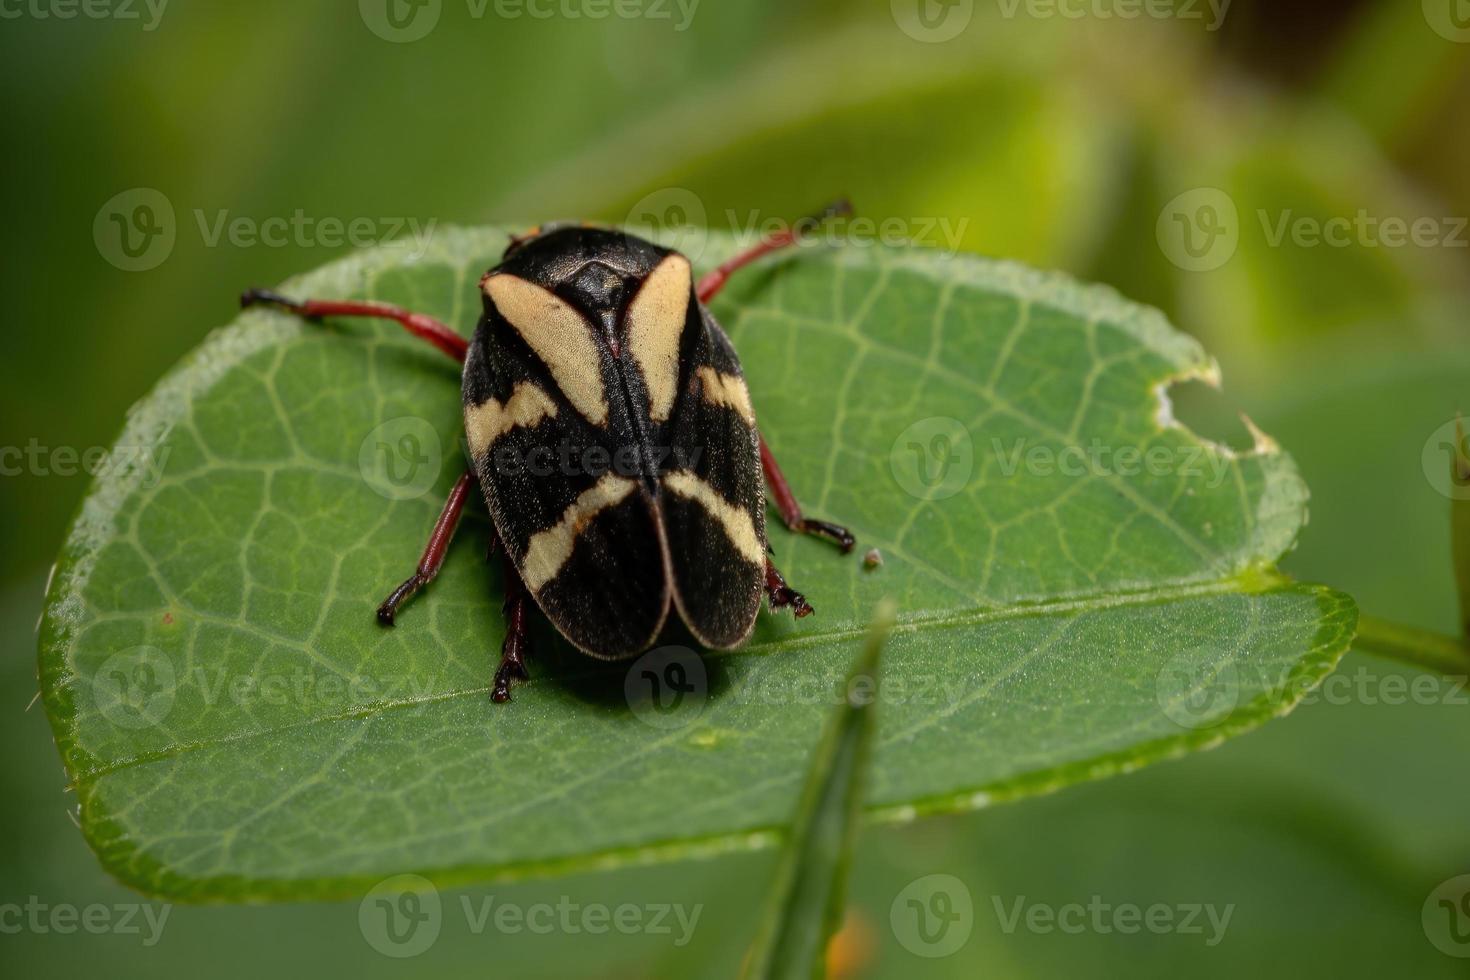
<point>1053,627</point>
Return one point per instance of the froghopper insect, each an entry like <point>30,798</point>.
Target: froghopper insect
<point>612,435</point>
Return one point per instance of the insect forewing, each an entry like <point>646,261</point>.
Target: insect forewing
<point>549,435</point>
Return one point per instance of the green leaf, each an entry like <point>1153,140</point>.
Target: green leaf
<point>807,900</point>
<point>236,725</point>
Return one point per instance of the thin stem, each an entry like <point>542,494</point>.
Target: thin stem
<point>1422,648</point>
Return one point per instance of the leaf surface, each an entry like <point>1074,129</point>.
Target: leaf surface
<point>237,726</point>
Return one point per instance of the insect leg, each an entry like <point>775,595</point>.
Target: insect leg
<point>713,281</point>
<point>433,557</point>
<point>441,335</point>
<point>791,510</point>
<point>517,643</point>
<point>783,595</point>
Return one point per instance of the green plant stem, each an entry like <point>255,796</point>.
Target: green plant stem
<point>1422,648</point>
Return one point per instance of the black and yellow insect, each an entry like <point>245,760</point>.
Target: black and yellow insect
<point>611,432</point>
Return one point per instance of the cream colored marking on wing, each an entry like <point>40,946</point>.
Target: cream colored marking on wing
<point>549,550</point>
<point>526,407</point>
<point>739,528</point>
<point>728,390</point>
<point>559,335</point>
<point>655,323</point>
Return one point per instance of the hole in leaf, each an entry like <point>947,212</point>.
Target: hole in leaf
<point>1209,413</point>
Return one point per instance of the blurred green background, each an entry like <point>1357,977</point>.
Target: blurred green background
<point>1066,142</point>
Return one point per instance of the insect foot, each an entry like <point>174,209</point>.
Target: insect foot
<point>783,595</point>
